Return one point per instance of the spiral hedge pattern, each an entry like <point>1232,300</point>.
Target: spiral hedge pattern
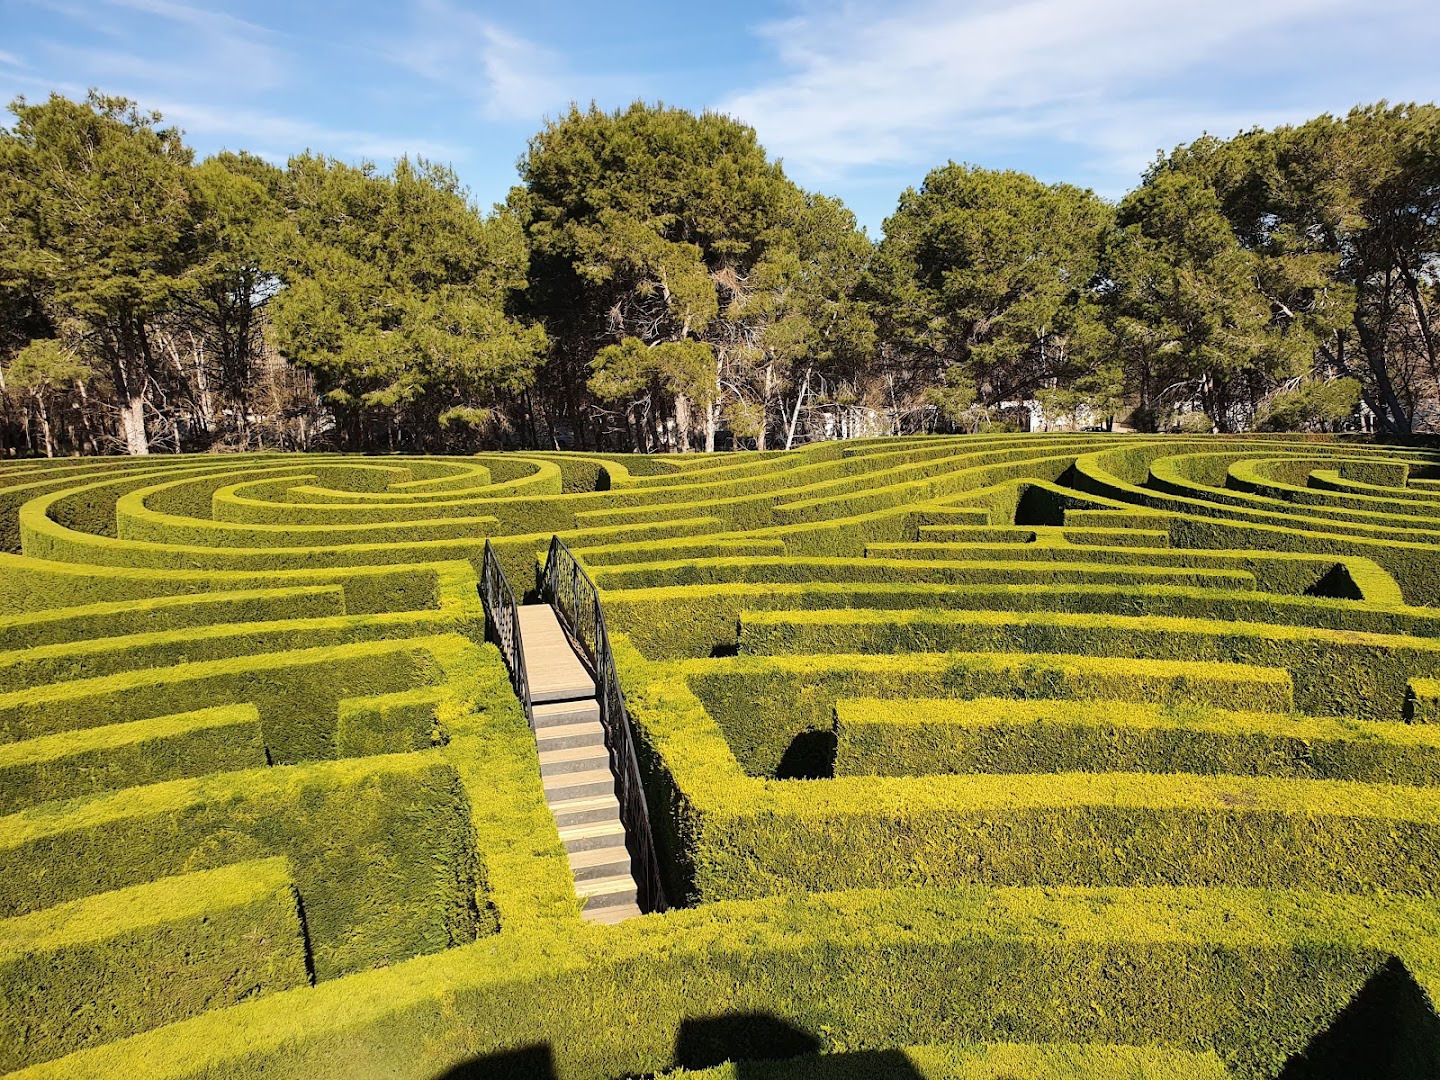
<point>1014,756</point>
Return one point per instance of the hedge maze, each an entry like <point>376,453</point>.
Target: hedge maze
<point>1038,757</point>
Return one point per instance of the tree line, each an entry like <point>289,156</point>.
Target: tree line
<point>656,282</point>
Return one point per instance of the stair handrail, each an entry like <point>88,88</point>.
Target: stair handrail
<point>502,626</point>
<point>569,589</point>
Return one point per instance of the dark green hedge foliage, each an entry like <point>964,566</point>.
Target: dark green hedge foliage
<point>382,850</point>
<point>920,737</point>
<point>1334,672</point>
<point>74,763</point>
<point>94,970</point>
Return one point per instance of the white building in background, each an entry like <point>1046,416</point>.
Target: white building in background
<point>1078,420</point>
<point>855,422</point>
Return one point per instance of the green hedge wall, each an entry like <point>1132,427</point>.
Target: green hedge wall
<point>42,664</point>
<point>703,620</point>
<point>296,692</point>
<point>75,763</point>
<point>1249,976</point>
<point>1273,572</point>
<point>1256,477</point>
<point>382,850</point>
<point>71,624</point>
<point>1406,555</point>
<point>1334,672</point>
<point>34,586</point>
<point>759,569</point>
<point>763,704</point>
<point>920,737</point>
<point>390,723</point>
<point>746,838</point>
<point>1423,701</point>
<point>985,1061</point>
<point>87,972</point>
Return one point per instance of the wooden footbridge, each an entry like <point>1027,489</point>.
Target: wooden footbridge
<point>559,658</point>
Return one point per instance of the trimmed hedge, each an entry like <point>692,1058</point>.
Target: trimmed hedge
<point>703,620</point>
<point>436,831</point>
<point>754,837</point>
<point>1279,572</point>
<point>382,850</point>
<point>84,973</point>
<point>683,548</point>
<point>1205,523</point>
<point>1423,701</point>
<point>985,1061</point>
<point>1334,672</point>
<point>30,586</point>
<point>75,763</point>
<point>921,737</point>
<point>71,624</point>
<point>1288,480</point>
<point>390,723</point>
<point>46,664</point>
<point>44,539</point>
<point>763,569</point>
<point>763,705</point>
<point>296,692</point>
<point>1250,976</point>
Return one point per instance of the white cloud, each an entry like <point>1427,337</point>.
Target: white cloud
<point>277,137</point>
<point>508,77</point>
<point>165,42</point>
<point>868,87</point>
<point>215,23</point>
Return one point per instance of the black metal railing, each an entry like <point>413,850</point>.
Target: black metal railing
<point>502,625</point>
<point>568,588</point>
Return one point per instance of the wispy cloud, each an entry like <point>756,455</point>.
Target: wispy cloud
<point>867,87</point>
<point>277,137</point>
<point>226,81</point>
<point>169,43</point>
<point>203,19</point>
<point>507,76</point>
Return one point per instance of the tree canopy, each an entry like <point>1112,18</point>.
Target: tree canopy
<point>655,281</point>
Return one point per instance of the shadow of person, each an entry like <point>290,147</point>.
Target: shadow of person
<point>527,1063</point>
<point>1388,1031</point>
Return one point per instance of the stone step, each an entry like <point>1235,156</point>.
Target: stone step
<point>566,786</point>
<point>606,892</point>
<point>593,834</point>
<point>562,713</point>
<point>581,811</point>
<point>567,736</point>
<point>602,862</point>
<point>609,916</point>
<point>573,759</point>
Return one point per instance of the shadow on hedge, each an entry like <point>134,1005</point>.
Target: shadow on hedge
<point>1388,1031</point>
<point>758,1042</point>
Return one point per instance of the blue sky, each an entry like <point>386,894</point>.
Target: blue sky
<point>858,100</point>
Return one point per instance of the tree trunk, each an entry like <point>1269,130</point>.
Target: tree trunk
<point>710,428</point>
<point>760,439</point>
<point>45,425</point>
<point>127,366</point>
<point>682,422</point>
<point>132,425</point>
<point>795,416</point>
<point>1394,415</point>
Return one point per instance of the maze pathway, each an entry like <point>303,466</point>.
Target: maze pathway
<point>956,754</point>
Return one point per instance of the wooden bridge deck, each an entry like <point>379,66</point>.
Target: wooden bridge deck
<point>554,671</point>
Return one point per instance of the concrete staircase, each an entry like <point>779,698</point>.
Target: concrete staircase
<point>575,768</point>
